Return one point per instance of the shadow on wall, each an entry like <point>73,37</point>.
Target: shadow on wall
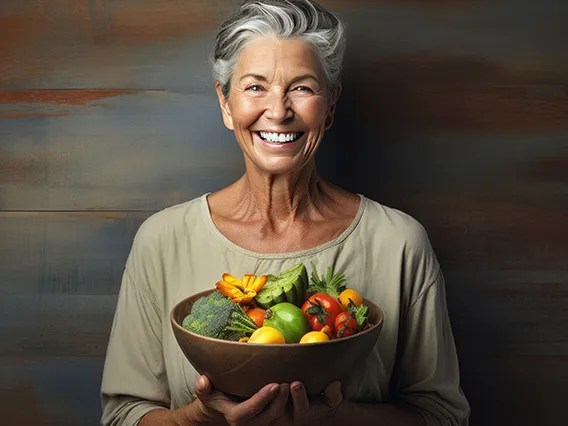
<point>360,150</point>
<point>377,147</point>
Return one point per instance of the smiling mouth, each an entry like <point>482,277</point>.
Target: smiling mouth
<point>280,137</point>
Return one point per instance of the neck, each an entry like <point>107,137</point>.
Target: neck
<point>281,198</point>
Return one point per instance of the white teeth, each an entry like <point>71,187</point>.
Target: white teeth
<point>279,137</point>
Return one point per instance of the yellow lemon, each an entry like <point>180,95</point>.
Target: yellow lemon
<point>314,336</point>
<point>267,335</point>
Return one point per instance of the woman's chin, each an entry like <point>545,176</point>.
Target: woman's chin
<point>281,166</point>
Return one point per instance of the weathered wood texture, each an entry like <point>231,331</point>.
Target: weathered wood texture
<point>453,111</point>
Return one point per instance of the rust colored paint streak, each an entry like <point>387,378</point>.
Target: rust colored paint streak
<point>18,31</point>
<point>141,22</point>
<point>458,94</point>
<point>64,97</point>
<point>149,22</point>
<point>101,22</point>
<point>18,34</point>
<point>14,115</point>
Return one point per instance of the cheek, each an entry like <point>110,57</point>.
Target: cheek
<point>245,111</point>
<point>313,112</point>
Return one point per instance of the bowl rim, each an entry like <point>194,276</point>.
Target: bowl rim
<point>179,327</point>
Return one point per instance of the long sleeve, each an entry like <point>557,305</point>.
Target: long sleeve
<point>134,378</point>
<point>427,370</point>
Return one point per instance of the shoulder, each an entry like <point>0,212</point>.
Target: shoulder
<point>400,244</point>
<point>395,226</point>
<point>401,240</point>
<point>161,227</point>
<point>170,219</point>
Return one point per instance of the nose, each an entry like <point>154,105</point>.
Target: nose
<point>278,107</point>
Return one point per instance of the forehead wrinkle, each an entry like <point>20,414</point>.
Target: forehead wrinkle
<point>279,61</point>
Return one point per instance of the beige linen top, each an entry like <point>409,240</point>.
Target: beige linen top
<point>384,254</point>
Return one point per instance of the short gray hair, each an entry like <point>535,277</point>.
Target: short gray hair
<point>301,19</point>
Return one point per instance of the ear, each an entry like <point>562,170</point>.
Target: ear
<point>224,104</point>
<point>331,112</point>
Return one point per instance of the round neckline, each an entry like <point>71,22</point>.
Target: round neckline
<point>287,255</point>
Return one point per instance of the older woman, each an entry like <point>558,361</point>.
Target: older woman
<point>277,66</point>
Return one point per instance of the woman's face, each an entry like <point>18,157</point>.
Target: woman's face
<point>278,105</point>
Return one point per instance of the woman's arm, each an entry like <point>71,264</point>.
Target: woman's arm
<point>180,417</point>
<point>186,416</point>
<point>426,374</point>
<point>134,377</point>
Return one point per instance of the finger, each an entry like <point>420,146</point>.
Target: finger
<point>332,395</point>
<point>211,398</point>
<point>277,408</point>
<point>299,398</point>
<point>253,406</point>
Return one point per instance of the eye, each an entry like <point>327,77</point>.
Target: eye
<point>254,88</point>
<point>303,89</point>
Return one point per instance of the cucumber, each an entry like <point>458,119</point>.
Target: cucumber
<point>265,298</point>
<point>290,286</point>
<point>301,285</point>
<point>305,285</point>
<point>290,292</point>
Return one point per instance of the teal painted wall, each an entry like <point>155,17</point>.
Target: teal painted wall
<point>453,111</point>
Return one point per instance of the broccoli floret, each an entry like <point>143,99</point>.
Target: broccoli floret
<point>218,317</point>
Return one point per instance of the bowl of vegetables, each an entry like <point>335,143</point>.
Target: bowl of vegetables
<point>244,334</point>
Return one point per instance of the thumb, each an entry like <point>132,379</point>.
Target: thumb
<point>332,395</point>
<point>203,387</point>
<point>210,398</point>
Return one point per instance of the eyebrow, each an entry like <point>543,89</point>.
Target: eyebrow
<point>295,80</point>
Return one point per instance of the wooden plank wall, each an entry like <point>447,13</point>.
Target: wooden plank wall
<point>455,111</point>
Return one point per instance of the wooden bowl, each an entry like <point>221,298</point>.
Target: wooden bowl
<point>241,369</point>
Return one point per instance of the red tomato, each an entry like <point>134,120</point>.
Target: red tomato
<point>257,315</point>
<point>345,325</point>
<point>321,310</point>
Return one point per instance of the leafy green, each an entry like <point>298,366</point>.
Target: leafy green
<point>359,313</point>
<point>218,317</point>
<point>330,283</point>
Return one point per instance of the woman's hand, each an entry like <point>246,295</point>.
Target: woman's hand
<point>266,406</point>
<point>306,412</point>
